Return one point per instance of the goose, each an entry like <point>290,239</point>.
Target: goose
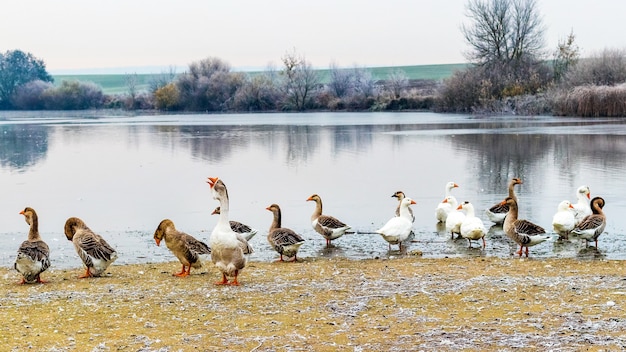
<point>582,207</point>
<point>563,221</point>
<point>455,217</point>
<point>244,230</point>
<point>443,209</point>
<point>185,247</point>
<point>592,225</point>
<point>228,248</point>
<point>498,212</point>
<point>92,249</point>
<point>33,255</point>
<point>283,240</point>
<point>400,195</point>
<point>523,232</point>
<point>327,226</point>
<point>472,227</point>
<point>398,228</point>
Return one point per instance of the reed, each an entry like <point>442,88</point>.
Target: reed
<point>592,101</point>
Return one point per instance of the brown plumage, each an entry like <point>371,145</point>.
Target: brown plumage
<point>523,232</point>
<point>284,241</point>
<point>33,255</point>
<point>185,247</point>
<point>327,226</point>
<point>592,226</point>
<point>92,249</point>
<point>498,212</point>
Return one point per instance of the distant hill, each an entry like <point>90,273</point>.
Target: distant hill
<point>116,83</point>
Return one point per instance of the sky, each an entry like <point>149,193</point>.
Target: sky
<point>124,36</point>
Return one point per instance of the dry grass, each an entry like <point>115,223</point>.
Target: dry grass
<point>324,305</point>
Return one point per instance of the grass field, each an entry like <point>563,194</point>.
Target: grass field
<point>116,83</point>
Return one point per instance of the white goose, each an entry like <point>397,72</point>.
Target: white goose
<point>400,195</point>
<point>246,231</point>
<point>592,225</point>
<point>523,232</point>
<point>563,221</point>
<point>443,209</point>
<point>472,227</point>
<point>498,212</point>
<point>582,207</point>
<point>228,248</point>
<point>398,228</point>
<point>455,217</point>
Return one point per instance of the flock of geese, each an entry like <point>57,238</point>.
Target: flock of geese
<point>229,249</point>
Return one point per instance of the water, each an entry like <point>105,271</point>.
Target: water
<point>122,175</point>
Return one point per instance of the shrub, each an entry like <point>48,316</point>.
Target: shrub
<point>74,95</point>
<point>30,95</point>
<point>166,97</point>
<point>258,93</point>
<point>606,68</point>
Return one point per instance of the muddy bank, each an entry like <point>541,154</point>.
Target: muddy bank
<point>333,304</point>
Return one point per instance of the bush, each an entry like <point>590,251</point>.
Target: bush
<point>591,101</point>
<point>166,97</point>
<point>30,95</point>
<point>74,95</point>
<point>606,68</point>
<point>259,93</point>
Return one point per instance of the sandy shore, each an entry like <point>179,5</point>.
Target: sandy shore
<point>397,304</point>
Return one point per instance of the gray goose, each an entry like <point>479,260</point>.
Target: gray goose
<point>283,240</point>
<point>498,212</point>
<point>92,249</point>
<point>592,226</point>
<point>33,255</point>
<point>328,226</point>
<point>523,232</point>
<point>185,247</point>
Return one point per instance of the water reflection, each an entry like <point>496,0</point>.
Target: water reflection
<point>124,175</point>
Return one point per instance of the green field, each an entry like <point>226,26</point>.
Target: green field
<point>116,83</point>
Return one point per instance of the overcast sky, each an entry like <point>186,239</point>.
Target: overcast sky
<point>74,35</point>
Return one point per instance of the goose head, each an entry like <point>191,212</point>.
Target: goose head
<point>29,214</point>
<point>450,185</point>
<point>399,195</point>
<point>216,211</point>
<point>450,200</point>
<point>218,188</point>
<point>565,205</point>
<point>406,202</point>
<point>583,191</point>
<point>315,198</point>
<point>465,205</point>
<point>162,229</point>
<point>71,225</point>
<point>597,203</point>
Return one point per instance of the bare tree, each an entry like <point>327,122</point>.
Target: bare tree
<point>131,83</point>
<point>397,82</point>
<point>341,81</point>
<point>300,81</point>
<point>503,32</point>
<point>364,82</point>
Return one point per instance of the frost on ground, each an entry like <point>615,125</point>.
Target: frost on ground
<point>403,304</point>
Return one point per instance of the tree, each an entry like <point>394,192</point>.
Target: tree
<point>565,56</point>
<point>397,82</point>
<point>300,81</point>
<point>16,69</point>
<point>341,81</point>
<point>503,32</point>
<point>131,81</point>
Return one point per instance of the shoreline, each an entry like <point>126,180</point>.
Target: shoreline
<point>407,303</point>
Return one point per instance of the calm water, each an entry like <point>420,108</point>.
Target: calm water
<point>123,175</point>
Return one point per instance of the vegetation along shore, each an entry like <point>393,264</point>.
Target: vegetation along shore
<point>509,70</point>
<point>398,304</point>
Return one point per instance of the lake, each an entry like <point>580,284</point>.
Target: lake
<point>123,174</point>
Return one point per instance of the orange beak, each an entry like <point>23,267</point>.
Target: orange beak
<point>413,202</point>
<point>455,185</point>
<point>212,180</point>
<point>158,241</point>
<point>459,207</point>
<point>571,206</point>
<point>588,195</point>
<point>268,208</point>
<point>445,200</point>
<point>22,212</point>
<point>503,202</point>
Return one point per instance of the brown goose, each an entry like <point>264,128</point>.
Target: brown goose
<point>400,195</point>
<point>92,249</point>
<point>284,241</point>
<point>33,256</point>
<point>185,247</point>
<point>498,212</point>
<point>592,226</point>
<point>327,226</point>
<point>228,248</point>
<point>244,230</point>
<point>523,232</point>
